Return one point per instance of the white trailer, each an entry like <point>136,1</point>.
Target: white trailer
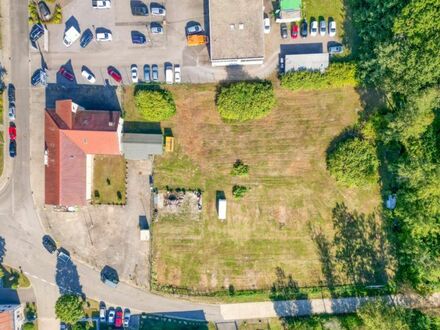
<point>70,36</point>
<point>221,209</point>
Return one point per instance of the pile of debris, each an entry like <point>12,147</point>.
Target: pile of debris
<point>173,200</point>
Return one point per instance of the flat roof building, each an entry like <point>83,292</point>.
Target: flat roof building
<point>313,62</point>
<point>236,32</point>
<point>140,146</point>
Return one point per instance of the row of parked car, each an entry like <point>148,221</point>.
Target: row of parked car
<point>114,316</point>
<point>303,30</point>
<point>12,130</point>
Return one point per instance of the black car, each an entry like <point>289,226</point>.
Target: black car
<point>284,31</point>
<point>36,32</point>
<point>44,10</point>
<point>138,37</point>
<point>49,244</point>
<point>11,93</point>
<point>139,9</point>
<point>303,29</point>
<point>12,148</point>
<point>109,276</point>
<point>86,37</point>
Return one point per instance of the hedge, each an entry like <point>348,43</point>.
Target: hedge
<point>155,105</point>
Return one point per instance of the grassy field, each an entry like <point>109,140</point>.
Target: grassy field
<point>109,180</point>
<point>324,8</point>
<point>290,190</point>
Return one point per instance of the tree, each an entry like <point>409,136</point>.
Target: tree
<point>246,100</point>
<point>69,308</point>
<point>155,105</point>
<point>354,162</point>
<point>239,191</point>
<point>240,169</point>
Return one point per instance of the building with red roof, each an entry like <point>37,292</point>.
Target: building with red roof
<point>73,136</point>
<point>11,317</point>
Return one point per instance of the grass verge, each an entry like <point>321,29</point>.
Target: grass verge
<point>13,278</point>
<point>109,180</point>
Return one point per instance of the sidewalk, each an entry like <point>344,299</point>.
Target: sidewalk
<point>259,310</point>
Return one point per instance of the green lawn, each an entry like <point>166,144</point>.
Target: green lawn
<point>109,180</point>
<point>13,278</point>
<point>291,193</point>
<point>326,9</point>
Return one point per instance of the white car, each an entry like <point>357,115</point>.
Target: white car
<point>331,28</point>
<point>196,28</point>
<point>313,28</point>
<point>101,4</point>
<point>156,28</point>
<point>266,23</point>
<point>322,28</point>
<point>177,73</point>
<point>169,76</point>
<point>111,315</point>
<point>157,10</point>
<point>104,36</point>
<point>11,112</point>
<point>134,73</point>
<point>89,76</point>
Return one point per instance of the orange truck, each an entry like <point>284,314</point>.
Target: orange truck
<point>197,39</point>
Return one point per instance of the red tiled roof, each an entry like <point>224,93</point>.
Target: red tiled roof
<point>6,320</point>
<point>69,138</point>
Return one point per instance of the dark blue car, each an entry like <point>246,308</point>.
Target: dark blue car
<point>36,32</point>
<point>12,148</point>
<point>138,38</point>
<point>86,37</point>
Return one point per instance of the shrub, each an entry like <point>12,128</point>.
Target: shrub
<point>354,162</point>
<point>57,17</point>
<point>29,326</point>
<point>240,169</point>
<point>336,75</point>
<point>155,105</point>
<point>246,100</point>
<point>239,191</point>
<point>33,13</point>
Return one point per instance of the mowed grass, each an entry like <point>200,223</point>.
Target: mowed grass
<point>291,190</point>
<point>326,9</point>
<point>109,180</point>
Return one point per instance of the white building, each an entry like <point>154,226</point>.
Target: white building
<point>11,317</point>
<point>313,62</point>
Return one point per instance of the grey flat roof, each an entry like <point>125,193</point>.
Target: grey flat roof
<point>307,62</point>
<point>228,43</point>
<point>140,146</point>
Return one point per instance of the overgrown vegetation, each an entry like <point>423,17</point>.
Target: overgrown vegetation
<point>245,100</point>
<point>240,169</point>
<point>69,308</point>
<point>57,16</point>
<point>154,105</point>
<point>336,75</point>
<point>354,162</point>
<point>239,191</point>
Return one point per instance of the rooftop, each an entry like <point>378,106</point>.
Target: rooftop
<point>139,146</point>
<point>7,320</point>
<point>236,29</point>
<point>296,62</point>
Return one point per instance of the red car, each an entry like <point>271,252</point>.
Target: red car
<point>118,318</point>
<point>12,131</point>
<point>294,31</point>
<point>66,73</point>
<point>114,74</point>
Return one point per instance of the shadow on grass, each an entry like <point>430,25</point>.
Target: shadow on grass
<point>142,127</point>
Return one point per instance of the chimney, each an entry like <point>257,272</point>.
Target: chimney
<point>65,109</point>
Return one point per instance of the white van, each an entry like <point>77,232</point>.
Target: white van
<point>104,36</point>
<point>169,76</point>
<point>70,36</point>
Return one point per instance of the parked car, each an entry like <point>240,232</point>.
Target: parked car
<point>111,315</point>
<point>36,32</point>
<point>102,312</point>
<point>303,29</point>
<point>88,75</point>
<point>283,30</point>
<point>44,10</point>
<point>101,4</point>
<point>12,130</point>
<point>63,255</point>
<point>49,244</point>
<point>112,72</point>
<point>155,72</point>
<point>12,148</point>
<point>331,28</point>
<point>70,36</point>
<point>294,31</point>
<point>139,9</point>
<point>134,73</point>
<point>66,73</point>
<point>169,76</point>
<point>127,315</point>
<point>177,77</point>
<point>335,49</point>
<point>119,318</point>
<point>147,73</point>
<point>194,29</point>
<point>157,10</point>
<point>104,36</point>
<point>313,28</point>
<point>86,38</point>
<point>156,28</point>
<point>11,112</point>
<point>39,77</point>
<point>266,25</point>
<point>281,66</point>
<point>138,38</point>
<point>322,28</point>
<point>11,93</point>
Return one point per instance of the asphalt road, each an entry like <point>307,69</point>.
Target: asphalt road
<point>20,227</point>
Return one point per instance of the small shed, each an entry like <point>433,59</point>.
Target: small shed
<point>137,146</point>
<point>290,11</point>
<point>221,209</point>
<point>313,62</point>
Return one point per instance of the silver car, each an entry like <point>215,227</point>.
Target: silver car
<point>156,28</point>
<point>155,72</point>
<point>157,10</point>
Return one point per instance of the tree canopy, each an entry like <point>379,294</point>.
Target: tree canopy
<point>246,100</point>
<point>69,308</point>
<point>155,105</point>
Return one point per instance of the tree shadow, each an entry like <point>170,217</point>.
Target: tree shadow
<point>67,277</point>
<point>2,249</point>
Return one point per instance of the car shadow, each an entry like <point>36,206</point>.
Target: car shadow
<point>295,49</point>
<point>67,277</point>
<point>61,80</point>
<point>72,21</point>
